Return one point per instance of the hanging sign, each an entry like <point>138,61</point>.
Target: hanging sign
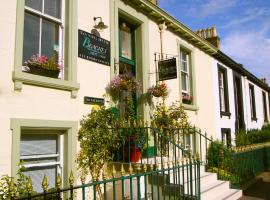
<point>93,100</point>
<point>94,48</point>
<point>167,69</point>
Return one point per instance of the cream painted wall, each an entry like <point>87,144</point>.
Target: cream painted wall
<point>35,102</point>
<point>204,118</point>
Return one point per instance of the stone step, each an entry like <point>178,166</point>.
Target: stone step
<point>229,194</point>
<point>214,187</point>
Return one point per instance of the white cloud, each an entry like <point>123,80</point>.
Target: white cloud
<point>251,48</point>
<point>250,15</point>
<point>212,7</point>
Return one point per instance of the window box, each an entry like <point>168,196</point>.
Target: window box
<point>187,101</point>
<point>187,98</point>
<point>44,72</point>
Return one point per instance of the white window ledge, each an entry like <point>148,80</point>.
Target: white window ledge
<point>190,107</point>
<point>21,78</point>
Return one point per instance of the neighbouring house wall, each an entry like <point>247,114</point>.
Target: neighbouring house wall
<point>229,122</point>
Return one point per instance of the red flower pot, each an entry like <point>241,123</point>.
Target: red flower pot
<point>135,154</point>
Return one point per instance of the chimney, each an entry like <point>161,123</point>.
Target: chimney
<point>210,34</point>
<point>264,80</point>
<point>154,2</point>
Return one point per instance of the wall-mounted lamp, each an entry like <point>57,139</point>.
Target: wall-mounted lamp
<point>100,24</point>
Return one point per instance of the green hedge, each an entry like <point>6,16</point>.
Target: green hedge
<point>253,136</point>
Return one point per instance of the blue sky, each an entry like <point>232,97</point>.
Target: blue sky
<point>243,26</point>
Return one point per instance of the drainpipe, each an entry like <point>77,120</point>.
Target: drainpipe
<point>162,27</point>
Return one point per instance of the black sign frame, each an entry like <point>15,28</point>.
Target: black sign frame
<point>93,100</point>
<point>94,48</point>
<point>167,69</point>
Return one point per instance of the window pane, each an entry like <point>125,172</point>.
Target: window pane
<point>222,100</point>
<point>53,8</point>
<point>125,68</point>
<point>38,144</point>
<point>184,56</point>
<point>184,66</point>
<point>126,43</point>
<point>31,36</point>
<point>184,81</point>
<point>37,174</point>
<point>50,37</point>
<point>35,4</point>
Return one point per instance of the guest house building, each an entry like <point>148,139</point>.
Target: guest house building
<point>94,41</point>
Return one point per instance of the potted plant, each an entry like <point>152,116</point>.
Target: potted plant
<point>186,98</point>
<point>159,90</point>
<point>136,143</point>
<point>44,66</point>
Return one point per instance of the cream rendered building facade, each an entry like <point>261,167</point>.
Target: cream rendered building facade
<point>33,107</point>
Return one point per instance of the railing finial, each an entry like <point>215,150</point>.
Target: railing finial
<point>71,179</point>
<point>130,169</point>
<point>45,184</point>
<point>58,181</point>
<point>122,170</point>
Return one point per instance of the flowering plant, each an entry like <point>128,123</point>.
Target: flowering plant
<point>122,82</point>
<point>159,90</point>
<point>41,61</point>
<point>186,98</point>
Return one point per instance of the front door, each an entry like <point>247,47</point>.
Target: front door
<point>127,60</point>
<point>239,110</point>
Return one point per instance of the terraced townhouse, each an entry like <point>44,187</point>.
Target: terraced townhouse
<point>40,115</point>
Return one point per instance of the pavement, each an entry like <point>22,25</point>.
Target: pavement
<point>259,189</point>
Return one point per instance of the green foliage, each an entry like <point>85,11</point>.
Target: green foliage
<point>20,184</point>
<point>218,155</point>
<point>173,116</point>
<point>253,136</point>
<point>98,137</point>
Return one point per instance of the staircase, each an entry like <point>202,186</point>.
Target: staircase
<point>214,189</point>
<point>211,188</point>
<point>177,175</point>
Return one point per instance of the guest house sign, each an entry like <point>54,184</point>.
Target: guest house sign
<point>167,69</point>
<point>94,48</point>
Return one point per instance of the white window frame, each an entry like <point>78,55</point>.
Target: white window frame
<point>42,15</point>
<point>186,73</point>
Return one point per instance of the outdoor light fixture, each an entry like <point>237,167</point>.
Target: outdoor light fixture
<point>100,25</point>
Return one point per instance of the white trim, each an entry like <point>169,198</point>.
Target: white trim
<point>41,164</point>
<point>39,156</point>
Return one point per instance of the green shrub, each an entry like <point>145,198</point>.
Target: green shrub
<point>253,136</point>
<point>218,155</point>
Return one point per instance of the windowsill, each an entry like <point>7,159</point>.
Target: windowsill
<point>20,78</point>
<point>222,113</point>
<point>190,107</point>
<point>254,119</point>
